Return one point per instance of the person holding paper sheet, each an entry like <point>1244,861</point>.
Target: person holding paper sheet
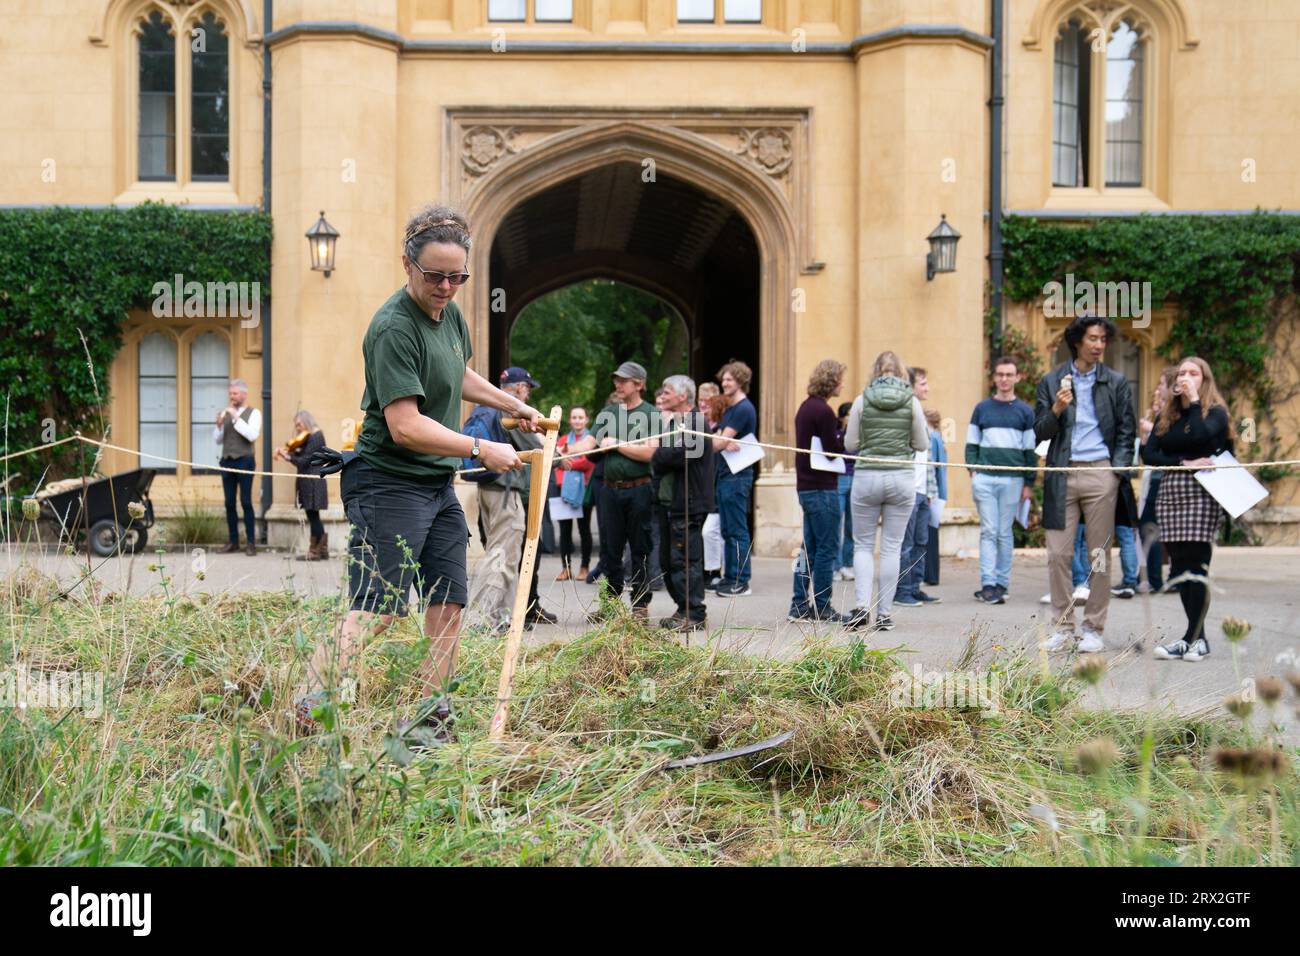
<point>816,480</point>
<point>1191,428</point>
<point>936,489</point>
<point>739,419</point>
<point>886,421</point>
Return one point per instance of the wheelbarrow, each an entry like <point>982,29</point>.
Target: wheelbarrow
<point>98,510</point>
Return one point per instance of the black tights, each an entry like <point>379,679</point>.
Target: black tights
<point>1191,557</point>
<point>313,519</point>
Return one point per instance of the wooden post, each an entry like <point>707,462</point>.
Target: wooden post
<point>540,460</point>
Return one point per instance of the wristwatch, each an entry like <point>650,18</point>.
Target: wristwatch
<point>473,452</point>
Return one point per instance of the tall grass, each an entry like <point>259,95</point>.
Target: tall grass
<point>194,522</point>
<point>194,761</point>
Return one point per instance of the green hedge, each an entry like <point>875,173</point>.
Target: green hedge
<point>1225,273</point>
<point>67,273</point>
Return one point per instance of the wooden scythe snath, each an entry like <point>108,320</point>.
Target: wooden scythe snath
<point>540,460</point>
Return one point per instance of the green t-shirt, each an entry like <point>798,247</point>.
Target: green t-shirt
<point>617,422</point>
<point>407,353</point>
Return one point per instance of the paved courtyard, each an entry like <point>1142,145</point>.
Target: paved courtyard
<point>1259,584</point>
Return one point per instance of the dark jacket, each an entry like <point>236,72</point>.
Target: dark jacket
<point>312,493</point>
<point>687,460</point>
<point>1112,396</point>
<point>1196,434</point>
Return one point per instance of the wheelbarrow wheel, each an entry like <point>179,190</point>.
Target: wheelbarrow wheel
<point>107,539</point>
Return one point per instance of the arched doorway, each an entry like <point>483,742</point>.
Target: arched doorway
<point>570,340</point>
<point>666,237</point>
<point>694,225</point>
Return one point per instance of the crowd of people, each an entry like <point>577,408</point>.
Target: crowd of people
<point>674,511</point>
<point>671,485</point>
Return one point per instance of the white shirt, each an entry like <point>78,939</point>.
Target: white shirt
<point>249,429</point>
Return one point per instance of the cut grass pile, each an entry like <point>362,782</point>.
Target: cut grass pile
<point>193,761</point>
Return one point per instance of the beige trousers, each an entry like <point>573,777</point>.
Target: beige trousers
<point>492,596</point>
<point>1091,495</point>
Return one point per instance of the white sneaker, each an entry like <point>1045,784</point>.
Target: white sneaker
<point>1081,594</point>
<point>846,574</point>
<point>1060,641</point>
<point>1046,598</point>
<point>1091,642</point>
<point>1200,649</point>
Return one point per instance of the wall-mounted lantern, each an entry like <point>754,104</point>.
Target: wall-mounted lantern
<point>321,239</point>
<point>943,249</point>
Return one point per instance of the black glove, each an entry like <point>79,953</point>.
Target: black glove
<point>327,461</point>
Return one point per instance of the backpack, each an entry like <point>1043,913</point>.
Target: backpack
<point>484,423</point>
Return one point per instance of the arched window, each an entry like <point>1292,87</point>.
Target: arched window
<point>1099,98</point>
<point>182,102</point>
<point>209,100</point>
<point>1124,100</point>
<point>157,85</point>
<point>209,381</point>
<point>158,400</point>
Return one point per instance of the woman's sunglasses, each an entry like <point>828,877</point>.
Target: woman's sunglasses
<point>435,278</point>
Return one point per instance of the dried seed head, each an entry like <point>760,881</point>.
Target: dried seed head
<point>31,509</point>
<point>1096,755</point>
<point>1238,705</point>
<point>1269,689</point>
<point>135,509</point>
<point>1235,629</point>
<point>1255,762</point>
<point>1089,667</point>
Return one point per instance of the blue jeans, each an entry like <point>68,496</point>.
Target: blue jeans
<point>733,493</point>
<point>996,499</point>
<point>844,559</point>
<point>821,544</point>
<point>1128,557</point>
<point>911,566</point>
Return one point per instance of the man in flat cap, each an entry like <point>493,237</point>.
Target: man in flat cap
<point>626,499</point>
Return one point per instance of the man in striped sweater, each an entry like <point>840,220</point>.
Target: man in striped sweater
<point>1001,433</point>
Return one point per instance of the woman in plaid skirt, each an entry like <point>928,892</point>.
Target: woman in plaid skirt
<point>1192,426</point>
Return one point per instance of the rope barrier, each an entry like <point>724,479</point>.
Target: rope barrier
<point>858,459</point>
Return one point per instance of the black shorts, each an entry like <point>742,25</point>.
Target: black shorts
<point>404,532</point>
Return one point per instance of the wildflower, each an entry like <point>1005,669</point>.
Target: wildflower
<point>1235,629</point>
<point>135,509</point>
<point>1269,689</point>
<point>1239,705</point>
<point>31,509</point>
<point>1089,667</point>
<point>1259,762</point>
<point>1096,755</point>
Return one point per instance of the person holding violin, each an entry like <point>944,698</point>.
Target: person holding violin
<point>312,495</point>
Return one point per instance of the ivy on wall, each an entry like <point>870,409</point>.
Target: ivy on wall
<point>68,274</point>
<point>1234,280</point>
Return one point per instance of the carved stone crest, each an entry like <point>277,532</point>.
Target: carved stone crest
<point>483,146</point>
<point>768,148</point>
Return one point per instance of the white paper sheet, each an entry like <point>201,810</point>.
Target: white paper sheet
<point>561,510</point>
<point>820,462</point>
<point>1022,513</point>
<point>1234,488</point>
<point>743,456</point>
<point>936,511</point>
<point>1041,448</point>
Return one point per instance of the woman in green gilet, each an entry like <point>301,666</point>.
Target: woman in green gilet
<point>885,422</point>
